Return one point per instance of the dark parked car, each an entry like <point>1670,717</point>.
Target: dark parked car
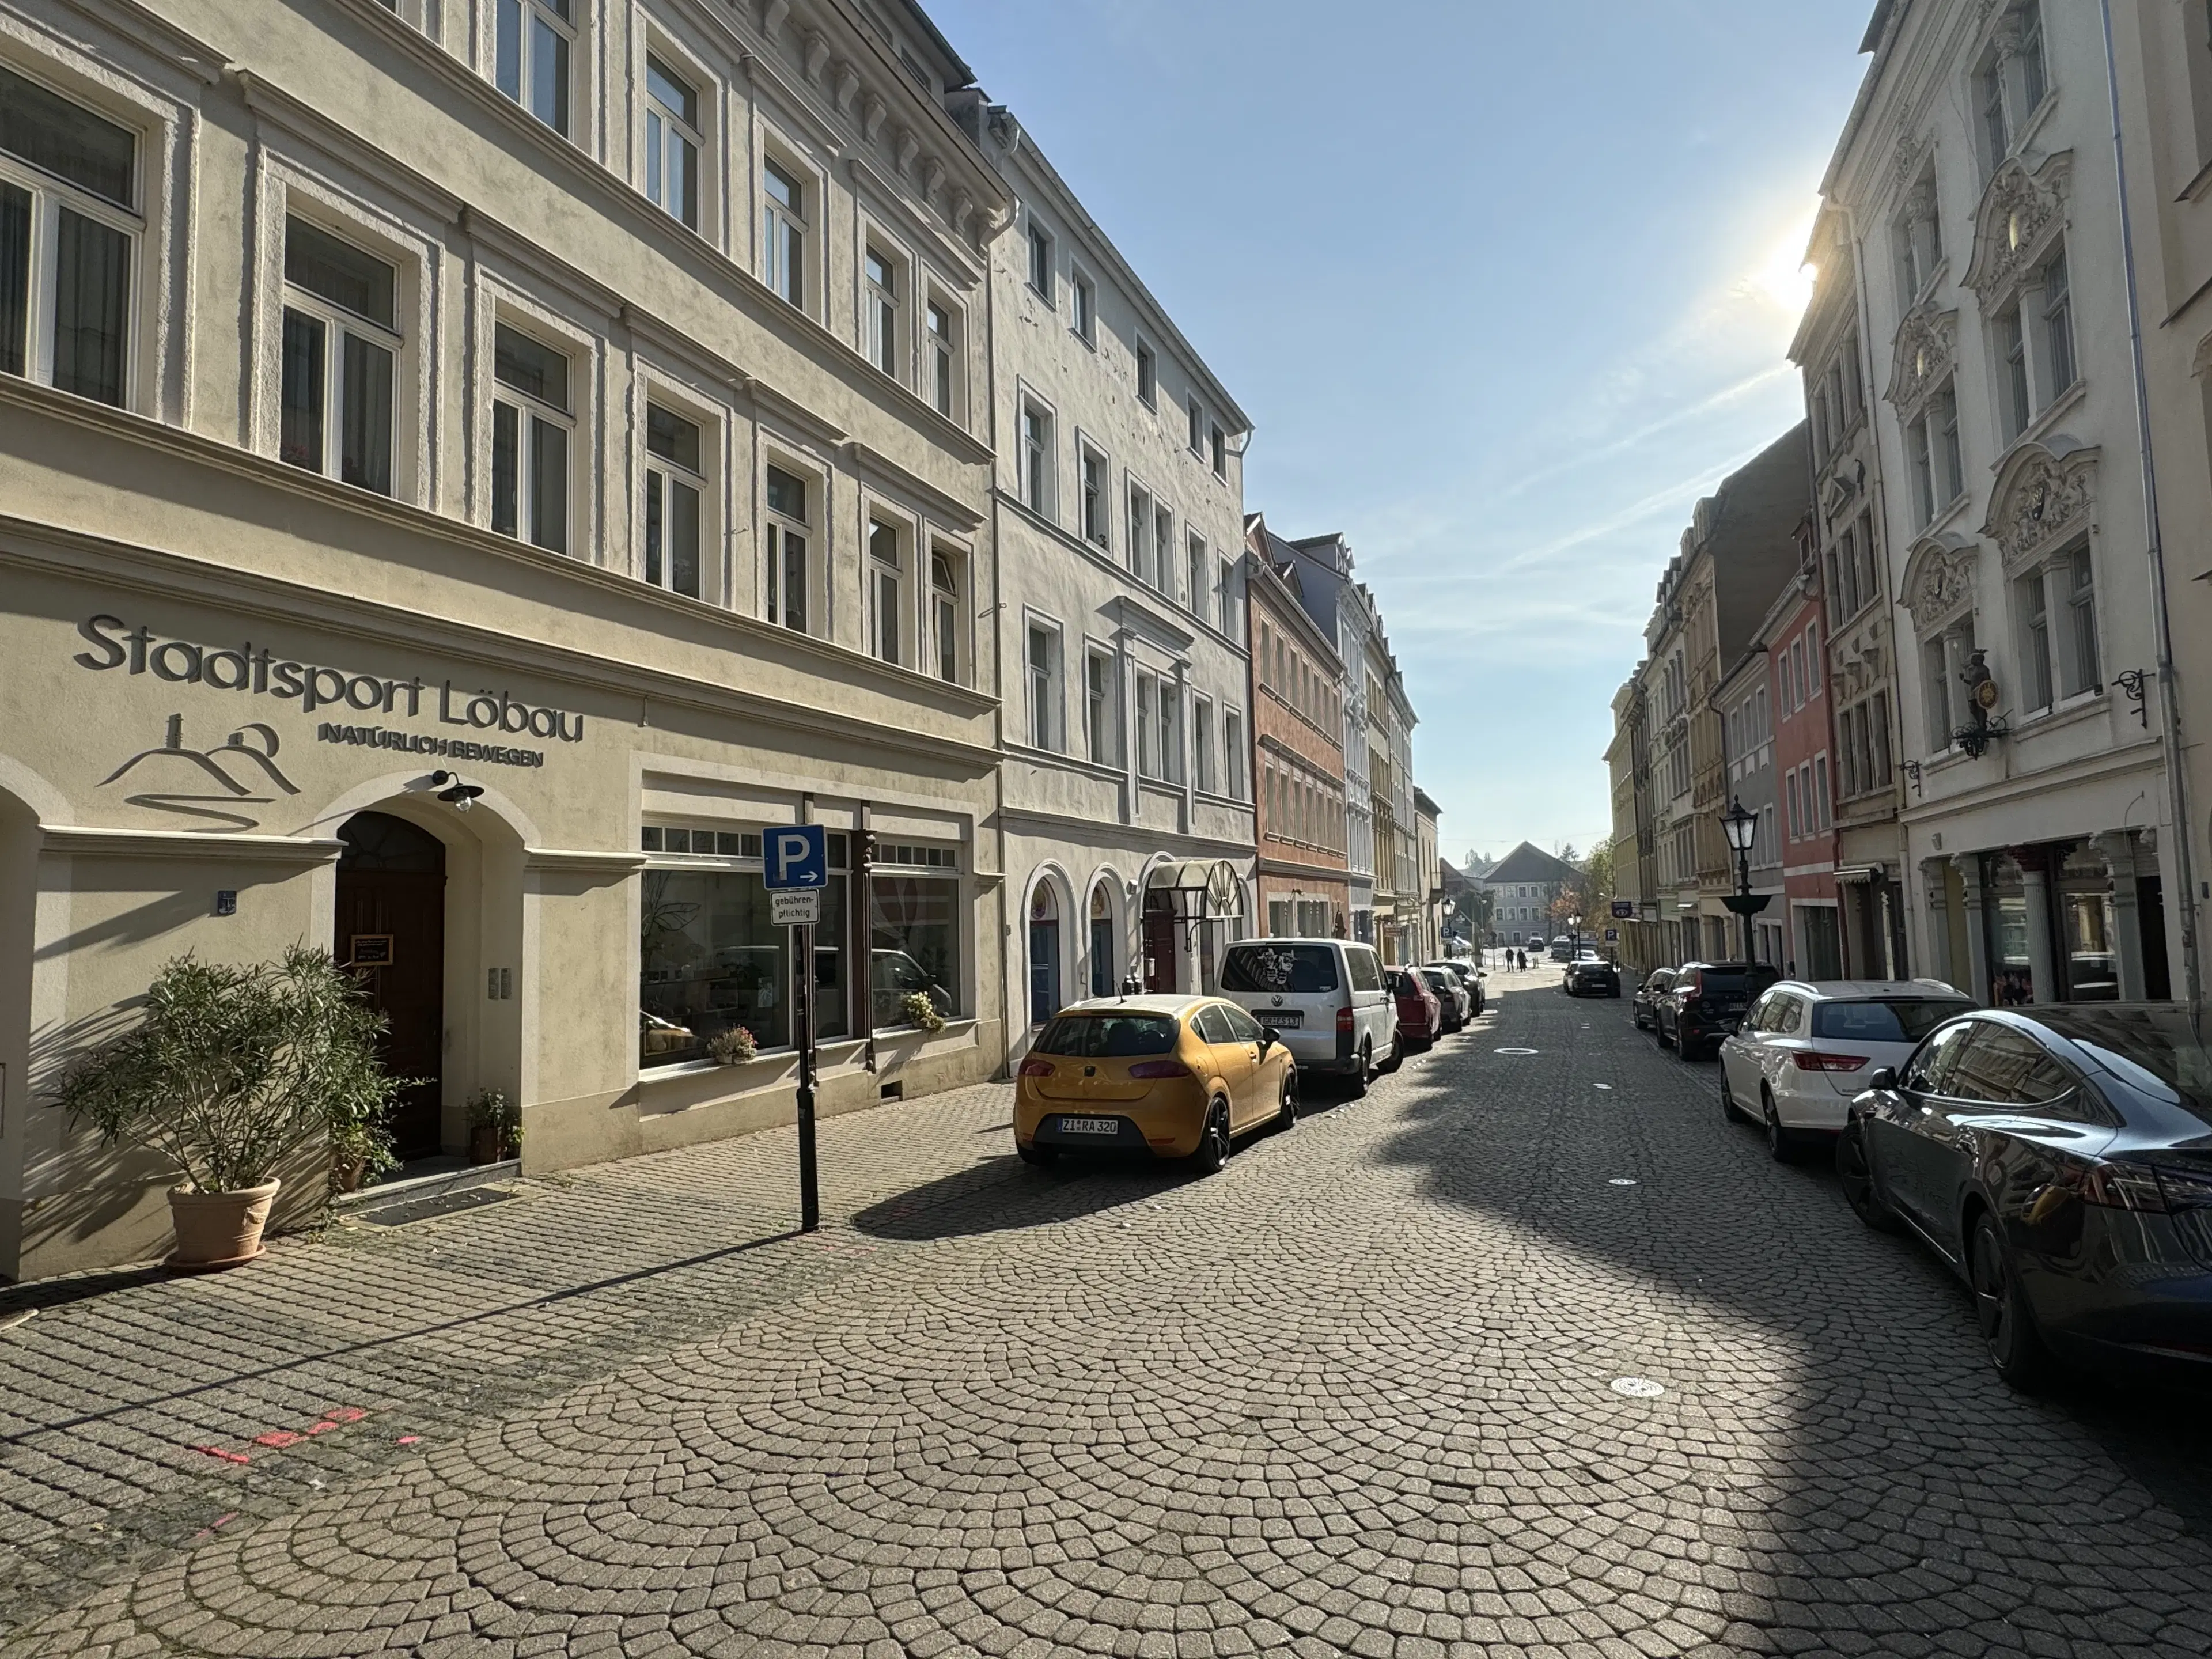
<point>1469,975</point>
<point>1644,1005</point>
<point>2060,1160</point>
<point>1421,1016</point>
<point>1591,976</point>
<point>1706,1003</point>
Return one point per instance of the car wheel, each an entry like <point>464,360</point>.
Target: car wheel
<point>1365,1070</point>
<point>1856,1176</point>
<point>1286,1114</point>
<point>1782,1145</point>
<point>1396,1057</point>
<point>2001,1308</point>
<point>1213,1144</point>
<point>1729,1110</point>
<point>1043,1157</point>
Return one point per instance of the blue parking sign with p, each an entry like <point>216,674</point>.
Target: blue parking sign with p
<point>796,855</point>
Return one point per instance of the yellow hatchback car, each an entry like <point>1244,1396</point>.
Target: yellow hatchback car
<point>1176,1076</point>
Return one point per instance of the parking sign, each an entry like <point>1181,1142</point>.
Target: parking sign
<point>796,855</point>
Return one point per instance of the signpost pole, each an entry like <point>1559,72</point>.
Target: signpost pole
<point>810,1189</point>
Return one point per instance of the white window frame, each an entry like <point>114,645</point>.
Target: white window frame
<point>672,474</point>
<point>883,306</point>
<point>1101,705</point>
<point>535,22</point>
<point>530,415</point>
<point>785,226</point>
<point>1201,742</point>
<point>666,134</point>
<point>1094,506</point>
<point>1138,523</point>
<point>948,640</point>
<point>1082,306</point>
<point>947,390</point>
<point>1043,687</point>
<point>779,529</point>
<point>1147,362</point>
<point>887,585</point>
<point>1041,250</point>
<point>51,196</point>
<point>1036,456</point>
<point>1197,560</point>
<point>338,321</point>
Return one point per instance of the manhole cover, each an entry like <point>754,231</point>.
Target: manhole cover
<point>1517,1051</point>
<point>1620,1181</point>
<point>1637,1387</point>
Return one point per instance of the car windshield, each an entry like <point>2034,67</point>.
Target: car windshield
<point>1108,1035</point>
<point>2162,1051</point>
<point>1298,968</point>
<point>1898,1020</point>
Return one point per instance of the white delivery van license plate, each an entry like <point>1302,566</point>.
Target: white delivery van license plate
<point>1090,1125</point>
<point>1283,1020</point>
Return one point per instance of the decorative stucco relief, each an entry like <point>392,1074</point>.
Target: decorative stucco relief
<point>1926,346</point>
<point>2021,214</point>
<point>2044,496</point>
<point>1939,580</point>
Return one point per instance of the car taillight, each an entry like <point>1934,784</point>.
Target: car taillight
<point>1037,1068</point>
<point>1343,1020</point>
<point>1808,1061</point>
<point>1150,1068</point>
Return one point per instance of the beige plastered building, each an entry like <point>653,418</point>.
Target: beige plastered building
<point>588,422</point>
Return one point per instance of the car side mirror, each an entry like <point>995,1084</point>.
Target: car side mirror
<point>1883,1076</point>
<point>1268,1038</point>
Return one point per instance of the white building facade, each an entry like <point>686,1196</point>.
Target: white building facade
<point>1978,176</point>
<point>1118,512</point>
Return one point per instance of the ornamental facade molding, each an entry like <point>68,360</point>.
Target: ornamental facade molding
<point>2045,495</point>
<point>1939,580</point>
<point>1927,344</point>
<point>2022,212</point>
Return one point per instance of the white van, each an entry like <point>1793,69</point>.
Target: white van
<point>1323,997</point>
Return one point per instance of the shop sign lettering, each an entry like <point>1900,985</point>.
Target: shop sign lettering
<point>421,742</point>
<point>261,672</point>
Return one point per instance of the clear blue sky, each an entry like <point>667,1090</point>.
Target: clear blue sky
<point>1504,287</point>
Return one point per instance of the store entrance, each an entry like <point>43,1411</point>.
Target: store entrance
<point>391,927</point>
<point>1160,953</point>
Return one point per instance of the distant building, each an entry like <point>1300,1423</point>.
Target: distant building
<point>1522,887</point>
<point>1297,696</point>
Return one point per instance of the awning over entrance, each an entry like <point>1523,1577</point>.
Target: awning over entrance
<point>1197,887</point>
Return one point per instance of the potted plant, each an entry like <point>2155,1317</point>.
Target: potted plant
<point>733,1046</point>
<point>233,1070</point>
<point>918,1009</point>
<point>495,1127</point>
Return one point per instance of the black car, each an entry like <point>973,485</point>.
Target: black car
<point>1591,976</point>
<point>1644,1005</point>
<point>2060,1161</point>
<point>1706,1003</point>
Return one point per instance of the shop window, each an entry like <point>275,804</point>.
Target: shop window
<point>530,433</point>
<point>673,487</point>
<point>341,340</point>
<point>914,931</point>
<point>711,960</point>
<point>68,238</point>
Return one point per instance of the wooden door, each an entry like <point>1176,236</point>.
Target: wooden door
<point>392,887</point>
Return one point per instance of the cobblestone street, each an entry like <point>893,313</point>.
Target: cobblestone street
<point>1355,1395</point>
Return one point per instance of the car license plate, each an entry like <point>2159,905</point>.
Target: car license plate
<point>1090,1125</point>
<point>1283,1020</point>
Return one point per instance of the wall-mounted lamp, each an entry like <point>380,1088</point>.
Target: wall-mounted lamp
<point>2130,680</point>
<point>456,794</point>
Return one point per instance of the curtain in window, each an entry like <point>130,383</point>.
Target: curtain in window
<point>365,459</point>
<point>92,286</point>
<point>299,400</point>
<point>15,277</point>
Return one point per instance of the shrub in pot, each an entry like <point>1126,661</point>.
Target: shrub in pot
<point>733,1047</point>
<point>918,1009</point>
<point>232,1070</point>
<point>495,1127</point>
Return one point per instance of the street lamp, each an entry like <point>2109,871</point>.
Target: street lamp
<point>1742,830</point>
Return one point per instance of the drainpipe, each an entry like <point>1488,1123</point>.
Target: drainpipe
<point>2168,703</point>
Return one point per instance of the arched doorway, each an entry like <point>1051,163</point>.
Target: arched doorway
<point>1044,953</point>
<point>391,925</point>
<point>1102,940</point>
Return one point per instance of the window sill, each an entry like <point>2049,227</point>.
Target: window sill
<point>2068,711</point>
<point>955,1025</point>
<point>762,1066</point>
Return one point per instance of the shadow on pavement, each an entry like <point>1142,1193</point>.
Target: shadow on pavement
<point>1840,1424</point>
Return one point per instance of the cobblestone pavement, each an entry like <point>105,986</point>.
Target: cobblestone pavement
<point>1355,1395</point>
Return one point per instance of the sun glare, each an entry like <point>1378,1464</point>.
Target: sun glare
<point>1783,277</point>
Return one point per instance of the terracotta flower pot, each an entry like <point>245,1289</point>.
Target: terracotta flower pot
<point>219,1229</point>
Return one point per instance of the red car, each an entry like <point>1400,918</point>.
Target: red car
<point>1420,1015</point>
